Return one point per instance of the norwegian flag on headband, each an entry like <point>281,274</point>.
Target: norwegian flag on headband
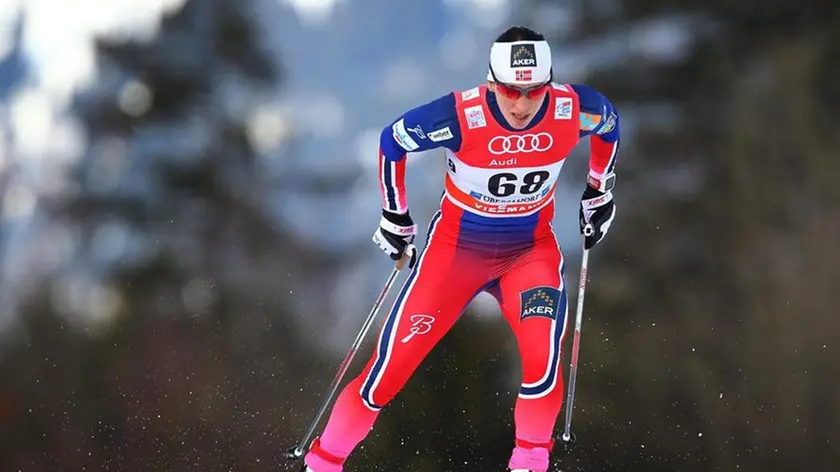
<point>522,75</point>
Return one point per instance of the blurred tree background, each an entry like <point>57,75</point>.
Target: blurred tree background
<point>709,340</point>
<point>191,365</point>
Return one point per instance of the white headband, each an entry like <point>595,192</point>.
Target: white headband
<point>520,62</point>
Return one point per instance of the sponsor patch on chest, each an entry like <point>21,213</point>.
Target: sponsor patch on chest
<point>470,94</point>
<point>563,108</point>
<point>475,117</point>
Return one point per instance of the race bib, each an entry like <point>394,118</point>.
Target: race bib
<point>500,189</point>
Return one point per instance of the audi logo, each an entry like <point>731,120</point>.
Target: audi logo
<point>539,142</point>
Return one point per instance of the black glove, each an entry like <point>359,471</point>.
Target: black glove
<point>597,210</point>
<point>395,235</point>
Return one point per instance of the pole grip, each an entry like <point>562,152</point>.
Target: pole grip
<point>407,255</point>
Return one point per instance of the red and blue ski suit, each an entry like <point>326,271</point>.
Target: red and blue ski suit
<point>493,233</point>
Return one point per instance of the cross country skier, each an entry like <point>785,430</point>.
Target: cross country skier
<point>505,143</point>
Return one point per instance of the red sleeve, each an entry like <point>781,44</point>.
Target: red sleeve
<point>602,155</point>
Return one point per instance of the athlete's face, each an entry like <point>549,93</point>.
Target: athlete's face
<point>519,105</point>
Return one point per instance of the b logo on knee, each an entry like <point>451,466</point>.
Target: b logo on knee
<point>541,302</point>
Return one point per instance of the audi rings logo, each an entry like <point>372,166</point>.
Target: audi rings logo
<point>539,142</point>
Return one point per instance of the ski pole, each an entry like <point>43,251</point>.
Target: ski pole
<point>570,401</point>
<point>297,451</point>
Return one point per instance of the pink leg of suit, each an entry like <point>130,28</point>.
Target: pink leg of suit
<point>533,300</point>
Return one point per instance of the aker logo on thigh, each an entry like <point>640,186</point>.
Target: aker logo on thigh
<point>539,301</point>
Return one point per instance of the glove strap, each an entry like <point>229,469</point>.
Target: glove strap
<point>394,228</point>
<point>601,182</point>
